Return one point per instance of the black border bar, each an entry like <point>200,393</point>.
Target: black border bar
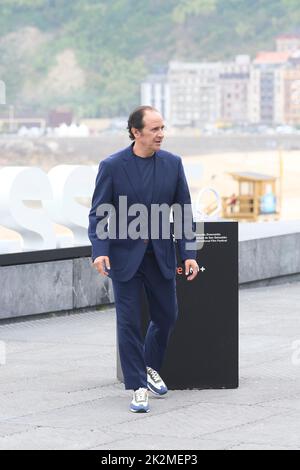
<point>44,256</point>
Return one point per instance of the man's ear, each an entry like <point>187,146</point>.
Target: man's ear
<point>135,132</point>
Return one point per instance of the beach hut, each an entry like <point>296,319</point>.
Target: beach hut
<point>256,198</point>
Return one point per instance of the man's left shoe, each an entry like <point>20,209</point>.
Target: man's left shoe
<point>155,383</point>
<point>139,402</point>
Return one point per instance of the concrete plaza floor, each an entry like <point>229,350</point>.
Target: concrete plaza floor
<point>58,386</point>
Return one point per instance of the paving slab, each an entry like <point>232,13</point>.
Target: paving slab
<point>59,390</point>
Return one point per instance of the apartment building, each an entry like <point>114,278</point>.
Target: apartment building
<point>266,97</point>
<point>263,91</point>
<point>155,91</point>
<point>194,93</point>
<point>234,88</point>
<point>290,81</point>
<point>288,43</point>
<point>2,92</point>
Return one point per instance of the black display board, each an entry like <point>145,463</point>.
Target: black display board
<point>203,348</point>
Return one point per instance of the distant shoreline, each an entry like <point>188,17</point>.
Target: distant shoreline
<point>95,148</point>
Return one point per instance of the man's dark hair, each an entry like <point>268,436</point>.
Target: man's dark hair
<point>136,119</point>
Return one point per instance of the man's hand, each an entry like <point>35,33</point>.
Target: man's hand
<point>102,263</point>
<point>191,267</point>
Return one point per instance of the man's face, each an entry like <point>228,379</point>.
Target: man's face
<point>152,135</point>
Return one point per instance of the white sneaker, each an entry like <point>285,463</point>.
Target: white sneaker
<point>155,383</point>
<point>139,402</point>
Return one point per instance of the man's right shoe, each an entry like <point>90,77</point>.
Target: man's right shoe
<point>155,383</point>
<point>140,402</point>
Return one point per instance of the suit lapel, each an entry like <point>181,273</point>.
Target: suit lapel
<point>131,171</point>
<point>160,175</point>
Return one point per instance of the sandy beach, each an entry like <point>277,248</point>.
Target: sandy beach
<point>211,170</point>
<point>217,166</point>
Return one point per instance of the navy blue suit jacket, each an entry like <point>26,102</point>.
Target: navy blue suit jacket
<point>118,176</point>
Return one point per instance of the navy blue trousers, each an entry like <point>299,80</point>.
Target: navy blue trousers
<point>137,353</point>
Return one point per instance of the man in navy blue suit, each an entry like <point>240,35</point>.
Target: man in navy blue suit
<point>140,179</point>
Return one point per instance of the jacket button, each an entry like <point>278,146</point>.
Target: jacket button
<point>146,241</point>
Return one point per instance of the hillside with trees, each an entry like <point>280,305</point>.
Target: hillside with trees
<point>90,55</point>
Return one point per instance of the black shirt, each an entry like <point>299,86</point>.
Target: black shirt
<point>146,170</point>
